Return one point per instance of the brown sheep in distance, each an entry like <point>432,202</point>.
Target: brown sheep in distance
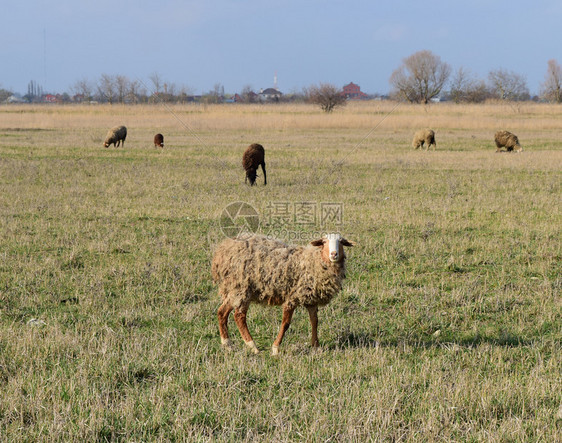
<point>508,140</point>
<point>158,141</point>
<point>254,156</point>
<point>115,136</point>
<point>270,272</point>
<point>422,136</point>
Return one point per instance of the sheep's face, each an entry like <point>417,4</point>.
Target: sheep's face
<point>251,175</point>
<point>332,247</point>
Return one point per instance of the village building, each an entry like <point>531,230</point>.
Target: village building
<point>270,95</point>
<point>352,91</point>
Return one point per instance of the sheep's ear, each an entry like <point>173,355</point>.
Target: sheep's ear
<point>318,242</point>
<point>345,242</point>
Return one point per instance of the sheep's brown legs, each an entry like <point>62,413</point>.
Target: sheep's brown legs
<point>285,323</point>
<point>240,317</point>
<point>313,314</point>
<point>224,312</point>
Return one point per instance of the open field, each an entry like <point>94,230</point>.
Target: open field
<point>449,327</point>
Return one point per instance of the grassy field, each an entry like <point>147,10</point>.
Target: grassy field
<point>449,327</point>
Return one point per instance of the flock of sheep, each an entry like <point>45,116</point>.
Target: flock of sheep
<point>117,135</point>
<point>503,139</point>
<point>254,155</point>
<point>262,270</point>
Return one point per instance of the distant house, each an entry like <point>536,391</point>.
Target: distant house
<point>353,92</point>
<point>250,97</point>
<point>50,98</point>
<point>16,98</point>
<point>270,95</point>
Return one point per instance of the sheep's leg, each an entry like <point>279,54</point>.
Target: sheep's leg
<point>240,317</point>
<point>224,311</point>
<point>264,174</point>
<point>285,323</point>
<point>313,314</point>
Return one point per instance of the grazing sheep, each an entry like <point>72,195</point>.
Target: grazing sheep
<point>115,136</point>
<point>426,136</point>
<point>508,140</point>
<point>158,141</point>
<point>270,272</point>
<point>254,155</point>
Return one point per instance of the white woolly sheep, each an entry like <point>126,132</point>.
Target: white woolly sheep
<point>508,140</point>
<point>270,272</point>
<point>254,156</point>
<point>426,136</point>
<point>115,136</point>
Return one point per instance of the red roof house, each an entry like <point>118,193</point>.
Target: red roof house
<point>353,92</point>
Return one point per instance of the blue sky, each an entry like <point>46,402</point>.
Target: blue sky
<point>236,43</point>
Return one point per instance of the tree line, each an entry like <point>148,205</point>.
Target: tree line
<point>423,76</point>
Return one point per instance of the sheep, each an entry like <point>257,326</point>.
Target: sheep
<point>508,140</point>
<point>426,136</point>
<point>254,155</point>
<point>270,272</point>
<point>158,141</point>
<point>115,136</point>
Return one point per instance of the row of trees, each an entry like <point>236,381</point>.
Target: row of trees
<point>121,89</point>
<point>423,77</point>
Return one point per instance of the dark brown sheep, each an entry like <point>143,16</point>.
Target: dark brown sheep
<point>158,141</point>
<point>507,140</point>
<point>115,136</point>
<point>426,136</point>
<point>254,156</point>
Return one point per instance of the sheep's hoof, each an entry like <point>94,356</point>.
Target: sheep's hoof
<point>227,344</point>
<point>253,347</point>
<point>275,350</point>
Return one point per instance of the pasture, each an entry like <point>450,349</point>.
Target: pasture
<point>449,326</point>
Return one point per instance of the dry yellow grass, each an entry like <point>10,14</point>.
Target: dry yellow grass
<point>449,327</point>
<point>479,117</point>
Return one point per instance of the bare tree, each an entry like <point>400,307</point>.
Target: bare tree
<point>507,85</point>
<point>326,95</point>
<point>156,82</point>
<point>134,91</point>
<point>184,94</point>
<point>122,85</point>
<point>215,95</point>
<point>551,89</point>
<point>467,88</point>
<point>106,88</point>
<point>248,95</point>
<point>420,78</point>
<point>84,88</point>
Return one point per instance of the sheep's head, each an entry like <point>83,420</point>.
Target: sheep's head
<point>332,247</point>
<point>106,145</point>
<point>251,175</point>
